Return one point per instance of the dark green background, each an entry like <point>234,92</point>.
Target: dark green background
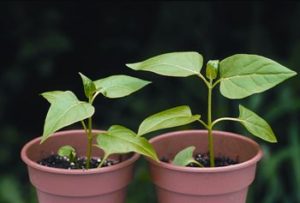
<point>44,46</point>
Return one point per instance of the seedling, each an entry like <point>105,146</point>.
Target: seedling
<point>239,76</point>
<point>66,109</point>
<point>67,151</point>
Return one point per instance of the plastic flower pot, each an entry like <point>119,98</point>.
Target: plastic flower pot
<point>228,184</point>
<point>101,185</point>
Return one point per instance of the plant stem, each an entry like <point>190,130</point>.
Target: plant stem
<point>90,143</point>
<point>209,126</point>
<point>90,138</point>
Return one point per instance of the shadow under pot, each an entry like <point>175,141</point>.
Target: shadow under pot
<point>226,184</point>
<point>53,185</point>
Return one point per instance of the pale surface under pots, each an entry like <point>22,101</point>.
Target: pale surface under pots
<point>176,184</point>
<point>102,185</point>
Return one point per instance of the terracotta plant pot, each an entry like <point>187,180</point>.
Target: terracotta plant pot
<point>229,184</point>
<point>103,185</point>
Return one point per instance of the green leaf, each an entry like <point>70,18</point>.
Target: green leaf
<point>212,69</point>
<point>256,125</point>
<point>67,151</point>
<point>242,75</point>
<point>176,64</point>
<point>173,117</point>
<point>185,157</point>
<point>88,85</point>
<point>52,96</point>
<point>119,85</point>
<point>65,110</point>
<point>118,140</point>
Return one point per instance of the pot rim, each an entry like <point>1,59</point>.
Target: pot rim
<point>37,166</point>
<point>238,166</point>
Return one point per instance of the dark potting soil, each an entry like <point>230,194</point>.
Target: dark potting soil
<point>56,161</point>
<point>219,161</point>
<point>204,160</point>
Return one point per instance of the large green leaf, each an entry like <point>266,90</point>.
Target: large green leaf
<point>119,85</point>
<point>177,64</point>
<point>173,117</point>
<point>119,139</point>
<point>243,75</point>
<point>65,110</point>
<point>185,157</point>
<point>88,85</point>
<point>256,125</point>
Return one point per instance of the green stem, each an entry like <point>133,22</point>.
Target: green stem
<point>197,163</point>
<point>90,143</point>
<point>203,123</point>
<point>204,80</point>
<point>209,125</point>
<point>102,161</point>
<point>84,127</point>
<point>217,82</point>
<point>225,119</point>
<point>90,138</point>
<point>94,97</point>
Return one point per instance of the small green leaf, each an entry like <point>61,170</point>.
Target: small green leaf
<point>173,117</point>
<point>65,110</point>
<point>242,75</point>
<point>256,125</point>
<point>119,85</point>
<point>118,140</point>
<point>185,157</point>
<point>88,85</point>
<point>212,69</point>
<point>67,151</point>
<point>176,64</point>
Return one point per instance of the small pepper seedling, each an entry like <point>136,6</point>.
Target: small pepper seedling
<point>66,109</point>
<point>239,76</point>
<point>67,151</point>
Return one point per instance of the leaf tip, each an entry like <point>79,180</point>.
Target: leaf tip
<point>132,65</point>
<point>157,159</point>
<point>43,139</point>
<point>273,139</point>
<point>42,94</point>
<point>148,82</point>
<point>140,133</point>
<point>82,75</point>
<point>294,73</point>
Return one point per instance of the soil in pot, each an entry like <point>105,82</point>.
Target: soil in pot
<point>56,161</point>
<point>203,159</point>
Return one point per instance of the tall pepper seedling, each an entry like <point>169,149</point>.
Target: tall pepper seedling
<point>238,76</point>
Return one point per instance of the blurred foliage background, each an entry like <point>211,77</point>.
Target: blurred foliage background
<point>45,45</point>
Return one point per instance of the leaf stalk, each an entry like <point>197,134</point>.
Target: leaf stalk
<point>225,119</point>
